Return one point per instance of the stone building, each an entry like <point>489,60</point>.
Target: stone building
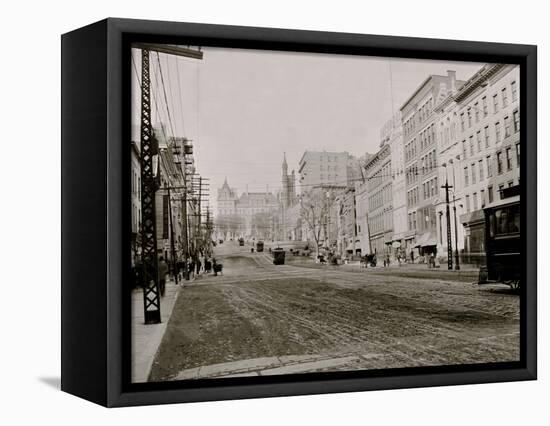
<point>322,168</point>
<point>422,166</point>
<point>487,107</point>
<point>380,200</point>
<point>392,134</point>
<point>249,215</point>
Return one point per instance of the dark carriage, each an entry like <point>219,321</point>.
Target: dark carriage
<point>278,256</point>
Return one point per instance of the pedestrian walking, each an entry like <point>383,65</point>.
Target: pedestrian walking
<point>191,267</point>
<point>199,264</point>
<point>412,256</point>
<point>162,271</point>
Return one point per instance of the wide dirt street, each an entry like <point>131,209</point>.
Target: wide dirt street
<point>260,319</point>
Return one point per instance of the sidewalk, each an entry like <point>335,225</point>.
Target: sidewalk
<point>275,365</point>
<point>146,338</point>
<point>415,270</point>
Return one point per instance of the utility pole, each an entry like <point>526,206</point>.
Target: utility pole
<point>457,264</point>
<point>148,149</point>
<point>448,217</point>
<point>185,235</point>
<point>200,212</point>
<point>172,243</point>
<point>457,256</point>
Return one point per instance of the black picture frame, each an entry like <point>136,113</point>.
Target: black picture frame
<point>95,236</point>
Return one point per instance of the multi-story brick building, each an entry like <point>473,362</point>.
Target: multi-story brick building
<point>380,195</point>
<point>487,108</point>
<point>392,134</point>
<point>322,168</point>
<point>422,168</point>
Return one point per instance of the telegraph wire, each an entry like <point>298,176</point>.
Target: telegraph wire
<point>165,97</point>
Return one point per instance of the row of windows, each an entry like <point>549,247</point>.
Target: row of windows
<point>429,188</point>
<point>504,163</point>
<point>380,222</point>
<point>408,126</point>
<point>425,110</point>
<point>380,198</point>
<point>329,177</point>
<point>475,200</point>
<point>381,176</point>
<point>411,221</point>
<point>419,116</point>
<point>136,217</point>
<point>448,131</point>
<point>410,150</point>
<point>136,185</point>
<point>425,220</point>
<point>328,168</point>
<point>504,159</point>
<point>427,136</point>
<point>411,174</point>
<point>428,162</point>
<point>476,112</point>
<point>485,139</point>
<point>412,196</point>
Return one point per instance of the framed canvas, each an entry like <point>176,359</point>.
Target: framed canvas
<point>256,212</point>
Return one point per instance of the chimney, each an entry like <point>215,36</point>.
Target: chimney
<point>452,80</point>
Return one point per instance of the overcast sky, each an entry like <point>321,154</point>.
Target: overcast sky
<point>244,108</point>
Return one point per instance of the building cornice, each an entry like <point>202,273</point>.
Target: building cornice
<point>476,81</point>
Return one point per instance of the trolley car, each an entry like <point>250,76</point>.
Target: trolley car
<point>502,238</point>
<point>260,246</point>
<point>278,256</point>
<point>241,241</point>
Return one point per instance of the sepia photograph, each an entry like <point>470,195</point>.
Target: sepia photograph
<point>296,213</point>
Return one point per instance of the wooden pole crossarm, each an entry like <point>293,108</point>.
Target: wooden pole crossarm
<point>169,49</point>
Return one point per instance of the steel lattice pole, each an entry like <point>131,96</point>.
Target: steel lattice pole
<point>151,299</point>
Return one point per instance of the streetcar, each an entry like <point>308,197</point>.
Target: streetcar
<point>502,238</point>
<point>241,241</point>
<point>278,256</point>
<point>260,246</point>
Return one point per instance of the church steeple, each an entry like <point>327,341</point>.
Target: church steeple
<point>285,166</point>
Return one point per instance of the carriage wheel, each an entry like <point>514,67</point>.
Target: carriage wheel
<point>515,284</point>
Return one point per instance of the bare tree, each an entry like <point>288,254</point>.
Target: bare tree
<point>315,208</point>
<point>230,223</point>
<point>261,225</point>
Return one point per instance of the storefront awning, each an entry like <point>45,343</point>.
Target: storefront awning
<point>396,244</point>
<point>425,240</point>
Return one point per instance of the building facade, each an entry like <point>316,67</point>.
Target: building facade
<point>378,171</point>
<point>135,201</point>
<point>449,156</point>
<point>391,134</point>
<point>250,215</point>
<point>346,224</point>
<point>361,215</point>
<point>322,168</point>
<point>488,111</point>
<point>422,166</point>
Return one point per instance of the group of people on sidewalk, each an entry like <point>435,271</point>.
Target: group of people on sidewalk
<point>179,272</point>
<point>194,267</point>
